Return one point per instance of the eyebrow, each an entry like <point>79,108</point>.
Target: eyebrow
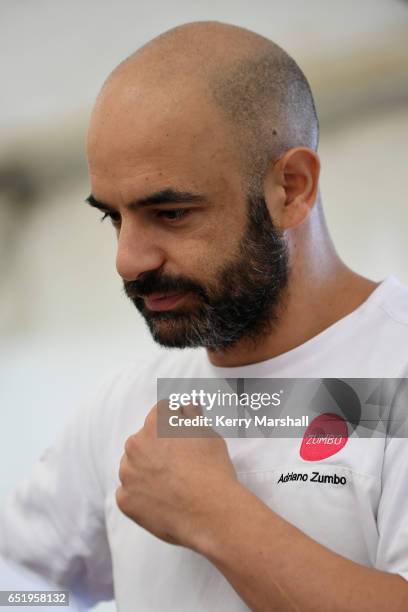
<point>165,196</point>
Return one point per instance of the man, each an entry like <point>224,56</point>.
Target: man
<point>202,152</point>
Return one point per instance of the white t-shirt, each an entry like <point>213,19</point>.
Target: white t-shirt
<point>64,522</point>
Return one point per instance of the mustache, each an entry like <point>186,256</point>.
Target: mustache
<point>157,282</point>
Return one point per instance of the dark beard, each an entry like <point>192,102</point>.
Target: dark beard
<point>243,301</point>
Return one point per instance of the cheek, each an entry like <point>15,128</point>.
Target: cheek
<point>204,262</point>
<point>199,259</point>
<point>201,251</point>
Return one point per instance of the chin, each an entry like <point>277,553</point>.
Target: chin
<point>170,333</point>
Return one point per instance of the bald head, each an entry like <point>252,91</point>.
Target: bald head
<point>180,147</point>
<point>255,87</point>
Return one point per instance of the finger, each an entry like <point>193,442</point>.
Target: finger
<point>122,500</point>
<point>129,445</point>
<point>124,471</point>
<point>201,429</point>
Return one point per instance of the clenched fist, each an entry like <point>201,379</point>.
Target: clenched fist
<point>175,487</point>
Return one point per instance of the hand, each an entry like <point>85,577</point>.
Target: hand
<point>175,487</point>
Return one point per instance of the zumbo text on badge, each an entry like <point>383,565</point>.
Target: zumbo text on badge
<point>313,477</point>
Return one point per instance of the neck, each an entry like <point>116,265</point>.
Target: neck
<point>321,290</point>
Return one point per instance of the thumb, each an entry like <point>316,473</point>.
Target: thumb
<point>202,429</point>
<point>191,410</point>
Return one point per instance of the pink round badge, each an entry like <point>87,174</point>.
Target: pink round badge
<point>325,436</point>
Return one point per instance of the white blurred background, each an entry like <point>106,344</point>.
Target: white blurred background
<point>64,320</point>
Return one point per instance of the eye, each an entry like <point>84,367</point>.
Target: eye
<point>173,215</point>
<point>114,217</point>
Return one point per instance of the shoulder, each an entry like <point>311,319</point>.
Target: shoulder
<point>386,329</point>
<point>395,302</point>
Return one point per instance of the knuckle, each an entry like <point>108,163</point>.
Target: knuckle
<point>124,471</point>
<point>130,445</point>
<point>122,499</point>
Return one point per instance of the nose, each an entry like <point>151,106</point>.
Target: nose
<point>136,253</point>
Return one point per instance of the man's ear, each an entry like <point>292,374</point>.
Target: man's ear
<point>291,187</point>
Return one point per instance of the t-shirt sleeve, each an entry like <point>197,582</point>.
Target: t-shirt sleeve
<point>53,521</point>
<point>392,518</point>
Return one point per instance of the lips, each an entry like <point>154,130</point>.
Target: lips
<point>163,301</point>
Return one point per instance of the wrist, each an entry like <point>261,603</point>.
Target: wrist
<point>217,523</point>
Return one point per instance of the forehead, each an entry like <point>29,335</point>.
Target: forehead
<point>143,130</point>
